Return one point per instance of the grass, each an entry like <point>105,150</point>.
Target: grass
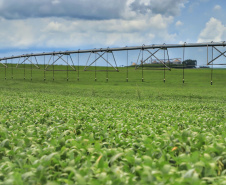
<point>115,132</point>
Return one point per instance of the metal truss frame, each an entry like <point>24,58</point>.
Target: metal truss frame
<point>3,64</point>
<point>162,46</point>
<point>100,55</point>
<point>152,54</point>
<point>60,57</point>
<point>28,59</point>
<point>213,59</point>
<point>32,58</point>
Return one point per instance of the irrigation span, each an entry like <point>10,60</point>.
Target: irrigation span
<point>102,53</point>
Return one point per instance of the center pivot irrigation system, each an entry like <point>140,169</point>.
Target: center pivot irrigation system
<point>103,53</point>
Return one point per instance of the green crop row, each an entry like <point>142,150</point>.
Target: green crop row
<point>90,140</point>
<point>112,133</point>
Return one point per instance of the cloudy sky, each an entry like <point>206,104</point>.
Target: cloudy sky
<point>52,25</point>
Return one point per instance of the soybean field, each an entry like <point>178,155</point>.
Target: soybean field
<point>113,132</point>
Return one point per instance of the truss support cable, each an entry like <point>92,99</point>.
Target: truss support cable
<point>5,68</point>
<point>67,68</point>
<point>107,69</point>
<point>53,67</point>
<point>164,80</point>
<point>24,68</point>
<point>73,65</point>
<point>44,68</point>
<point>207,57</point>
<point>88,58</point>
<point>12,67</point>
<point>31,68</point>
<point>127,70</point>
<point>142,65</point>
<point>48,62</point>
<point>168,58</point>
<point>212,69</point>
<point>18,62</point>
<point>115,61</point>
<point>95,68</point>
<point>78,66</point>
<point>37,62</point>
<point>183,62</point>
<point>138,60</point>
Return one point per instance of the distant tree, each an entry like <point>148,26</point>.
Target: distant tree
<point>190,63</point>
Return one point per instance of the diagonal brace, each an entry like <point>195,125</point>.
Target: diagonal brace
<point>219,51</point>
<point>33,63</point>
<point>72,61</point>
<point>94,60</point>
<point>146,58</point>
<point>216,58</point>
<point>3,64</point>
<point>54,61</point>
<point>114,60</point>
<point>152,54</point>
<point>159,60</point>
<point>107,61</point>
<point>18,62</point>
<point>37,62</point>
<point>23,61</point>
<point>60,57</point>
<point>88,58</point>
<point>27,59</point>
<point>48,62</point>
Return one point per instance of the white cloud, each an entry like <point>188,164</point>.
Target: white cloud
<point>214,31</point>
<point>53,26</point>
<point>217,7</point>
<point>83,9</point>
<point>88,9</point>
<point>82,23</point>
<point>16,34</point>
<point>58,33</point>
<point>163,7</point>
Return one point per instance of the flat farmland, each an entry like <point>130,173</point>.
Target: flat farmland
<point>115,132</point>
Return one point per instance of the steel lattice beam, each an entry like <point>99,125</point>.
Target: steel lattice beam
<point>221,54</point>
<point>143,47</point>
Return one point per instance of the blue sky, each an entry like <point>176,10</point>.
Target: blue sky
<point>29,26</point>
